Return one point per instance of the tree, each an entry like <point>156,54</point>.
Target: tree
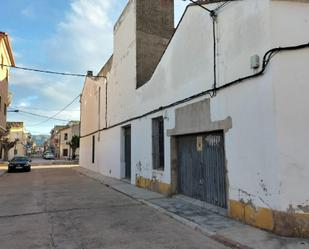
<point>74,144</point>
<point>6,146</point>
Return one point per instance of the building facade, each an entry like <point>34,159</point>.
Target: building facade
<point>17,132</point>
<point>54,144</point>
<point>6,58</point>
<point>66,135</point>
<point>218,111</point>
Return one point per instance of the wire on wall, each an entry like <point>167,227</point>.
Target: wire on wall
<point>266,60</point>
<point>213,14</point>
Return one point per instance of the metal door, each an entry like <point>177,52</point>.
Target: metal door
<point>201,167</point>
<point>127,151</point>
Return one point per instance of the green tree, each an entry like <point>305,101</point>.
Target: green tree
<point>74,144</point>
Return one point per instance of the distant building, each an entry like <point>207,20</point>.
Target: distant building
<point>61,135</point>
<point>40,143</point>
<point>17,132</point>
<point>66,134</point>
<point>54,144</point>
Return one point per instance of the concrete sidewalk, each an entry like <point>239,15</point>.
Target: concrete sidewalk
<point>201,217</point>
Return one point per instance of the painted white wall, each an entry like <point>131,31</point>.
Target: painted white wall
<point>121,105</point>
<point>89,120</point>
<point>290,86</point>
<point>266,147</point>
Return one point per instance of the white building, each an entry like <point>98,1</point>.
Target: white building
<point>242,146</point>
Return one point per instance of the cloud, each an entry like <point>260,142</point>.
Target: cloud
<point>26,102</point>
<point>84,38</point>
<point>25,78</point>
<point>50,88</point>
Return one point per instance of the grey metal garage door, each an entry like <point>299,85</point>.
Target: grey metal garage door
<point>201,167</point>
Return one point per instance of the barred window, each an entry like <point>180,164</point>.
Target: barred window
<point>158,143</point>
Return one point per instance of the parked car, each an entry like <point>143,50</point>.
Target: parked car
<point>49,156</point>
<point>46,152</point>
<point>19,162</point>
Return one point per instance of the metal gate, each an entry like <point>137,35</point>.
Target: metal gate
<point>201,167</point>
<point>127,151</point>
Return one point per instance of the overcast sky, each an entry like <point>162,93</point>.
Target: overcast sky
<point>61,35</point>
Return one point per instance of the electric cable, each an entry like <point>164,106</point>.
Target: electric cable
<point>53,116</point>
<point>36,115</point>
<point>266,60</point>
<point>51,72</point>
<point>25,108</point>
<point>196,3</point>
<point>223,5</point>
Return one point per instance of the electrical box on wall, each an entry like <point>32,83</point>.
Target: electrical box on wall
<point>255,61</point>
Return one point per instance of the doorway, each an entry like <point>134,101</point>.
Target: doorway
<point>201,167</point>
<point>127,151</point>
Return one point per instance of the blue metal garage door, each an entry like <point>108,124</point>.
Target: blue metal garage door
<point>201,167</point>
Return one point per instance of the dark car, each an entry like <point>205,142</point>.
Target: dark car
<point>19,162</point>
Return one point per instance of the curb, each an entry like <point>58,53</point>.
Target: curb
<point>2,172</point>
<point>212,235</point>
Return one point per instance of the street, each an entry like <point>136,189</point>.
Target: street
<point>60,208</point>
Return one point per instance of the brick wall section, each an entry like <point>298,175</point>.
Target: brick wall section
<point>154,29</point>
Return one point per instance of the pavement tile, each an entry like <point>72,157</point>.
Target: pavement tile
<point>206,218</point>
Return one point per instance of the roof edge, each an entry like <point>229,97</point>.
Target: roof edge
<point>8,47</point>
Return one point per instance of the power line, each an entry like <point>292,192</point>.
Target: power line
<point>52,72</point>
<point>223,5</point>
<point>36,115</point>
<point>22,108</point>
<point>202,6</point>
<point>63,109</point>
<point>266,60</point>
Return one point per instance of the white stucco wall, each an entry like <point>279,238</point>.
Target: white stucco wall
<point>266,147</point>
<point>290,85</point>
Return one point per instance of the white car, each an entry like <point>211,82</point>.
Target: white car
<point>49,156</point>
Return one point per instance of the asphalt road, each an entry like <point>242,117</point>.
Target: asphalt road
<point>59,208</point>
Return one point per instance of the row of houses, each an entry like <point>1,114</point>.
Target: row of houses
<point>6,58</point>
<point>216,109</point>
<point>6,61</point>
<point>60,139</point>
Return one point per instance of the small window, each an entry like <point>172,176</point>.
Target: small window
<point>93,149</point>
<point>65,152</point>
<point>158,143</point>
<point>4,109</point>
<point>0,103</point>
<point>65,136</point>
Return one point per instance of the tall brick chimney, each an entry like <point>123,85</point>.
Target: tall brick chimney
<point>154,29</point>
